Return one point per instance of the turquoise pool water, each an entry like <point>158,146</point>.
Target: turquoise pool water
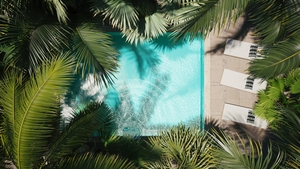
<point>159,84</point>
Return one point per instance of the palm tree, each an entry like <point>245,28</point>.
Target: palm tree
<point>282,91</point>
<point>148,19</point>
<point>183,147</point>
<point>137,20</point>
<point>95,161</point>
<point>234,151</point>
<point>279,105</point>
<point>30,35</point>
<point>197,18</point>
<point>288,132</point>
<point>31,132</point>
<point>277,28</point>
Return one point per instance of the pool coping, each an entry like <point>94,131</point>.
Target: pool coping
<point>207,75</point>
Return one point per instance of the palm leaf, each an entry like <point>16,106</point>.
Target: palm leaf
<point>93,117</point>
<point>235,153</point>
<point>37,111</point>
<point>183,147</point>
<point>57,7</point>
<point>133,148</point>
<point>268,20</point>
<point>92,161</point>
<point>13,32</point>
<point>95,53</point>
<point>290,121</point>
<point>121,13</point>
<point>292,76</point>
<point>45,41</point>
<point>33,39</point>
<point>148,28</point>
<point>268,99</point>
<point>274,20</point>
<point>10,89</point>
<point>279,59</point>
<point>270,31</point>
<point>198,18</point>
<point>292,24</point>
<point>295,87</point>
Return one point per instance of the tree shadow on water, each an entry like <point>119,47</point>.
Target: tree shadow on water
<point>166,43</point>
<point>130,120</point>
<point>145,58</point>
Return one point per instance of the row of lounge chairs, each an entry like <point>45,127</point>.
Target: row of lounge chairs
<point>242,81</point>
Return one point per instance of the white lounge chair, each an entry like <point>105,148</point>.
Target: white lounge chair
<point>242,81</point>
<point>242,49</point>
<point>242,115</point>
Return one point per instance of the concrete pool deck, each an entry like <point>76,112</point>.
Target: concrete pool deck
<point>216,94</point>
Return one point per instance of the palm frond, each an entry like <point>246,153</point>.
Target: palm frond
<point>198,18</point>
<point>274,20</point>
<point>133,148</point>
<point>11,8</point>
<point>292,24</point>
<point>183,147</point>
<point>13,32</point>
<point>34,119</point>
<point>92,161</point>
<point>10,89</point>
<point>34,39</point>
<point>292,76</point>
<point>290,121</point>
<point>57,7</point>
<point>235,153</point>
<point>121,13</point>
<point>94,53</point>
<point>266,107</point>
<point>268,20</point>
<point>268,99</point>
<point>45,41</point>
<point>83,124</point>
<point>279,59</point>
<point>148,28</point>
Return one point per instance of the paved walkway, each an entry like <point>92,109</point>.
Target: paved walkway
<point>215,62</point>
<point>216,95</point>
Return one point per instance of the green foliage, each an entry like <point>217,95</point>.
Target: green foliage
<point>198,17</point>
<point>279,105</point>
<point>30,109</point>
<point>133,148</point>
<point>183,147</point>
<point>121,13</point>
<point>30,130</point>
<point>288,130</point>
<point>98,161</point>
<point>279,59</point>
<point>277,28</point>
<point>137,20</point>
<point>281,91</point>
<point>94,53</point>
<point>235,152</point>
<point>94,116</point>
<point>31,36</point>
<point>31,40</point>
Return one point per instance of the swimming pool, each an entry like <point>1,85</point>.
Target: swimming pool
<point>159,84</point>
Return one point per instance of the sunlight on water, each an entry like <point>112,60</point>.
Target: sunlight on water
<point>158,85</point>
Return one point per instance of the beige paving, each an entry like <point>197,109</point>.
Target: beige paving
<point>216,94</point>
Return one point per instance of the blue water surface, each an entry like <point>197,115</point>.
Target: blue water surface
<point>159,84</point>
